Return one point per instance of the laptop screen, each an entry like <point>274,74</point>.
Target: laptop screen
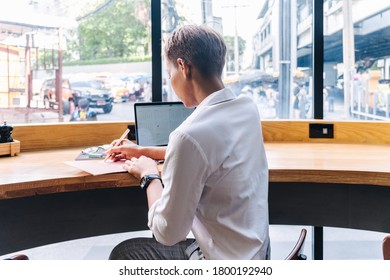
<point>154,121</point>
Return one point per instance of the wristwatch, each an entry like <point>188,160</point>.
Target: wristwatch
<point>145,181</point>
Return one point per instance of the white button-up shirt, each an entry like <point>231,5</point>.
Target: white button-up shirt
<point>216,181</point>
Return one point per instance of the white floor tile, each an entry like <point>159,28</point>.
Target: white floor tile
<point>339,244</point>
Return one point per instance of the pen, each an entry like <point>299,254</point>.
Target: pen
<point>117,143</point>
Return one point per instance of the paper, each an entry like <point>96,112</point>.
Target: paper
<point>98,167</point>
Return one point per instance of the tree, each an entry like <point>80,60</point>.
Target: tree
<point>115,31</point>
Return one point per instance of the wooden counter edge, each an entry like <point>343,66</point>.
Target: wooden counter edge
<point>49,186</point>
<point>330,177</point>
<point>118,180</point>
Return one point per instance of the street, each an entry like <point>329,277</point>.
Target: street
<point>120,112</point>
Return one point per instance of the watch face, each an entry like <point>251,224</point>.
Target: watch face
<point>145,181</point>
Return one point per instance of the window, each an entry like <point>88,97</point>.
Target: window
<point>269,50</point>
<point>101,48</point>
<point>356,60</point>
<point>271,55</point>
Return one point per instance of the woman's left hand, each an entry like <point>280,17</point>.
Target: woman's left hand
<point>141,166</point>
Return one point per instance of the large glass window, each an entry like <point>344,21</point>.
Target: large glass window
<point>269,49</point>
<point>357,59</point>
<point>100,49</point>
<point>46,46</point>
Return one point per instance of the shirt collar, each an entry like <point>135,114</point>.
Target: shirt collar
<point>220,96</point>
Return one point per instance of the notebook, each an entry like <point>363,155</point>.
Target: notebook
<point>154,121</point>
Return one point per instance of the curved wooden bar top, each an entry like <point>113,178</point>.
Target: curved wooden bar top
<point>340,182</point>
<point>43,172</point>
<point>329,163</point>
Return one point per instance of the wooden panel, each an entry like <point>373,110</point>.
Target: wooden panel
<point>277,131</point>
<point>366,132</point>
<point>66,135</point>
<point>363,132</point>
<point>50,136</point>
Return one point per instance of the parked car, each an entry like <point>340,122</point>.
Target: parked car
<point>95,91</point>
<point>118,89</point>
<point>48,95</point>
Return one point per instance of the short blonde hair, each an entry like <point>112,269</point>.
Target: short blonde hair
<point>199,46</point>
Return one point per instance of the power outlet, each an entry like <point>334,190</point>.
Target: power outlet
<point>132,135</point>
<point>321,130</point>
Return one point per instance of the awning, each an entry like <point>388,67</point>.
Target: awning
<point>16,22</point>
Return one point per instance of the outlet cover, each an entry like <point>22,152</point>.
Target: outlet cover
<point>321,130</point>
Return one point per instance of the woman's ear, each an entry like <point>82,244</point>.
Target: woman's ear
<point>184,68</point>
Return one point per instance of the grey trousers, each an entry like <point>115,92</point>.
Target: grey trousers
<point>150,249</point>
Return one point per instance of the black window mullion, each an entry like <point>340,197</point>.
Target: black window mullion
<point>318,58</point>
<point>156,50</point>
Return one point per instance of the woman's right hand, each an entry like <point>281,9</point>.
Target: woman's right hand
<point>125,150</point>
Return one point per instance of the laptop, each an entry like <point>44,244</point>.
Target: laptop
<point>154,121</point>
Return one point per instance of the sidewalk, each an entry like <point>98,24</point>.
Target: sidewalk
<point>30,115</point>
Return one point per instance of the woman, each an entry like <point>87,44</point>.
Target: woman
<point>215,175</point>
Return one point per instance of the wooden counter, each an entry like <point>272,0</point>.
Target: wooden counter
<point>340,182</point>
<point>329,163</point>
<point>44,172</point>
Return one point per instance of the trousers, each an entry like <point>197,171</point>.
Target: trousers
<point>149,249</point>
<point>146,248</point>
